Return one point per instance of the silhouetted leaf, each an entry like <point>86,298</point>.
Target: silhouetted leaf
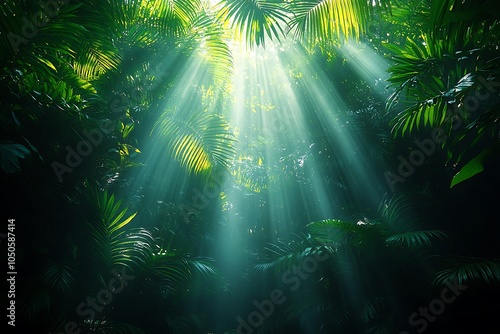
<point>10,154</point>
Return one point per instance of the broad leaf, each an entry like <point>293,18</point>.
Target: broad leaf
<point>10,154</point>
<point>474,166</point>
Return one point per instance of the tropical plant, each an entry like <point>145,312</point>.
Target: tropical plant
<point>200,140</point>
<point>348,289</point>
<point>107,247</point>
<point>105,68</point>
<point>314,21</point>
<point>153,77</point>
<point>445,79</point>
<point>467,270</point>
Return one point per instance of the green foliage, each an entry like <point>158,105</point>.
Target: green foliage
<point>63,73</point>
<point>109,241</point>
<point>10,156</point>
<point>210,34</point>
<point>347,249</point>
<point>467,270</point>
<point>255,19</point>
<point>417,238</point>
<point>201,142</point>
<point>281,256</point>
<point>474,166</point>
<point>437,66</point>
<point>367,234</point>
<point>437,74</point>
<point>112,327</point>
<point>326,20</point>
<point>313,21</point>
<point>60,277</point>
<point>39,305</point>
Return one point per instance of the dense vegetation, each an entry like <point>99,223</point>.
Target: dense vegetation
<point>144,205</point>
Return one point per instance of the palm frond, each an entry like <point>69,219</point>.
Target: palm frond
<point>38,304</point>
<point>443,66</point>
<point>112,327</point>
<point>280,254</point>
<point>37,34</point>
<point>309,302</point>
<point>328,20</point>
<point>59,276</point>
<point>403,218</point>
<point>185,323</point>
<point>95,59</point>
<point>170,17</point>
<point>111,243</point>
<point>374,308</point>
<point>167,272</point>
<point>201,142</point>
<point>204,267</point>
<point>255,19</point>
<point>417,238</point>
<point>467,270</point>
<point>281,257</point>
<point>377,316</point>
<point>10,156</point>
<point>338,232</point>
<point>213,47</point>
<point>402,213</point>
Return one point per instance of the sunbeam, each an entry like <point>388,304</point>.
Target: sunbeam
<point>268,107</point>
<point>250,166</point>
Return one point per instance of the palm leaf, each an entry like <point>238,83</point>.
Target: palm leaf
<point>38,303</point>
<point>59,276</point>
<point>310,302</point>
<point>343,233</point>
<point>112,327</point>
<point>95,59</point>
<point>255,19</point>
<point>417,238</point>
<point>399,211</point>
<point>169,273</point>
<point>280,255</point>
<point>213,48</point>
<point>110,242</point>
<point>326,20</point>
<point>374,308</point>
<point>10,156</point>
<point>201,142</point>
<point>36,35</point>
<point>170,17</point>
<point>192,323</point>
<point>203,267</point>
<point>377,316</point>
<point>465,270</point>
<point>442,66</point>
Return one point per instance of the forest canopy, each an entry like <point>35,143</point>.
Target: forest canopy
<point>250,166</point>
